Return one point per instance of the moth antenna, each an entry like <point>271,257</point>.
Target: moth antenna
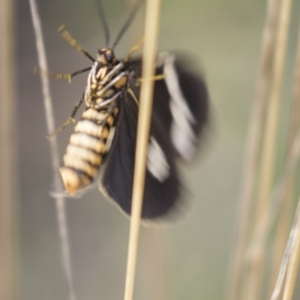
<point>104,22</point>
<point>72,42</point>
<point>128,22</point>
<point>57,76</point>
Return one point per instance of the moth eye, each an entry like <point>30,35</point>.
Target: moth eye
<point>106,56</point>
<point>109,56</point>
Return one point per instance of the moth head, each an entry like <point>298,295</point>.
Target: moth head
<point>106,56</point>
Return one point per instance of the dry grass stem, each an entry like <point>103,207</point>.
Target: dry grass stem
<point>8,155</point>
<point>295,109</point>
<point>268,156</point>
<point>151,236</point>
<point>276,203</point>
<point>279,190</point>
<point>293,265</point>
<point>60,201</point>
<point>252,149</point>
<point>285,210</point>
<point>291,247</point>
<point>145,108</point>
<point>294,125</point>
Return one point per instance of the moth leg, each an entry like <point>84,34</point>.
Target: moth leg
<point>68,121</point>
<point>67,76</point>
<point>139,80</point>
<point>114,71</point>
<point>132,94</point>
<point>156,77</point>
<point>134,49</point>
<point>72,42</point>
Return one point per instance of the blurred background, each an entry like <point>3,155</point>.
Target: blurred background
<point>189,260</point>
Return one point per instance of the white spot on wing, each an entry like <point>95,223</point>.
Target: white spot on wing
<point>182,135</point>
<point>157,163</point>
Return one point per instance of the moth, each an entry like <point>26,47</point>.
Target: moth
<point>105,136</point>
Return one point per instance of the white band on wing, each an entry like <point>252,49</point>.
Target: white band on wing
<point>182,134</point>
<point>157,163</point>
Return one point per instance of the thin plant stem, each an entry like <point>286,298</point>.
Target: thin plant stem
<point>294,260</point>
<point>276,202</point>
<point>252,149</point>
<point>268,155</point>
<point>8,156</point>
<point>291,246</point>
<point>295,110</point>
<point>59,199</point>
<point>285,211</point>
<point>153,237</point>
<point>290,166</point>
<point>145,108</point>
<point>292,270</point>
<point>293,266</point>
<point>278,198</point>
<point>273,210</point>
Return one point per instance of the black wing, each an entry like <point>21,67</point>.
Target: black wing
<point>181,101</point>
<point>161,191</point>
<point>162,186</point>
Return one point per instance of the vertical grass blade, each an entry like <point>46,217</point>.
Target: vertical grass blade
<point>294,126</point>
<point>291,246</point>
<point>293,266</point>
<point>268,156</point>
<point>252,149</point>
<point>254,289</point>
<point>8,155</point>
<point>289,184</point>
<point>59,200</point>
<point>145,108</point>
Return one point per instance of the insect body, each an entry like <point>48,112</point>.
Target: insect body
<point>106,134</point>
<point>88,144</point>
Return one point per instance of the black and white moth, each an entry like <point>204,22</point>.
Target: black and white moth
<point>106,133</point>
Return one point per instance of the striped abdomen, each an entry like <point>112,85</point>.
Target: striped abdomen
<point>86,148</point>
